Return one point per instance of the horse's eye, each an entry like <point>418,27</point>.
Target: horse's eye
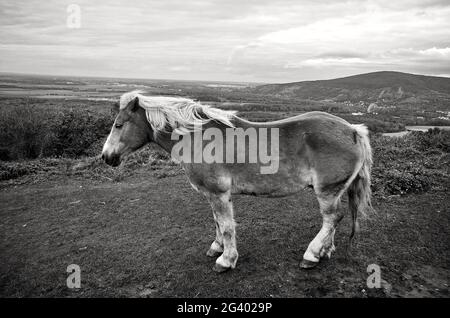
<point>119,125</point>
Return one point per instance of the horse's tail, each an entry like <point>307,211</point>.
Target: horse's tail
<point>359,192</point>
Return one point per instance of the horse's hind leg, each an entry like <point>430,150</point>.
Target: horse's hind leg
<point>323,244</point>
<point>223,212</point>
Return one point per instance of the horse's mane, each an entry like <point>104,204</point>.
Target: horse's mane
<point>183,115</point>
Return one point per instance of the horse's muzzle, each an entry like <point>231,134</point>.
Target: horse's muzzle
<point>112,160</point>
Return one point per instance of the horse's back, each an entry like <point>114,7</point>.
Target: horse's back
<point>314,115</point>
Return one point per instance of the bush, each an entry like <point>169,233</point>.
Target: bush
<point>28,132</point>
<point>12,171</point>
<point>411,164</point>
<point>401,182</point>
<point>76,131</point>
<point>24,132</point>
<point>433,138</point>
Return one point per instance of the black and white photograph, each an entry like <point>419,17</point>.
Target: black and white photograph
<point>224,154</point>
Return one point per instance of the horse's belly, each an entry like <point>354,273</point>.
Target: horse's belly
<point>272,185</point>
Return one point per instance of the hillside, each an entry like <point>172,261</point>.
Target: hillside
<point>371,87</point>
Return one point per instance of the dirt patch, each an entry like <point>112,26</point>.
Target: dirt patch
<point>146,236</point>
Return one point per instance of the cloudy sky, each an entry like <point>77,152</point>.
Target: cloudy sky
<point>232,40</point>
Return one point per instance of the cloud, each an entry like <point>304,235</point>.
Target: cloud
<point>373,29</point>
<point>342,54</point>
<point>325,62</point>
<point>180,68</point>
<point>255,40</point>
<point>375,38</point>
<point>392,57</point>
<point>436,52</point>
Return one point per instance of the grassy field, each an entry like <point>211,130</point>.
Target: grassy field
<point>141,231</point>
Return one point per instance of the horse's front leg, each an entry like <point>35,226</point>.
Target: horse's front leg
<point>223,214</point>
<point>216,248</point>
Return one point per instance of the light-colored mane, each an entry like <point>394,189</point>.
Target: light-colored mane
<point>183,115</point>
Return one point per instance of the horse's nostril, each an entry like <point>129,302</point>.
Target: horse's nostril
<point>103,157</point>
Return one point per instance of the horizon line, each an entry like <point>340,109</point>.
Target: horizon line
<point>207,80</point>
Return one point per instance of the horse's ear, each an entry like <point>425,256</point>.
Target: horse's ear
<point>134,104</point>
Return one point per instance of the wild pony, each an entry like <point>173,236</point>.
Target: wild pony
<point>314,149</point>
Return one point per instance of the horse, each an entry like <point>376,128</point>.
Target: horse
<point>315,149</point>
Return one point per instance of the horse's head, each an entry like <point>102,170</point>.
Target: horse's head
<point>130,132</point>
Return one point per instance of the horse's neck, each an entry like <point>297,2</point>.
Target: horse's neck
<point>164,140</point>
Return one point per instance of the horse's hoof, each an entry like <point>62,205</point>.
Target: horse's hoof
<point>220,269</point>
<point>213,253</point>
<point>305,264</point>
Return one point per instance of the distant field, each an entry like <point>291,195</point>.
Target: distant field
<point>252,103</point>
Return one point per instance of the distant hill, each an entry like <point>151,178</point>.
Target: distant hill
<point>380,87</point>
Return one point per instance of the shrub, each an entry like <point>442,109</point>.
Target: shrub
<point>410,164</point>
<point>433,138</point>
<point>77,130</point>
<point>24,132</point>
<point>12,171</point>
<point>401,182</point>
<point>28,132</point>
